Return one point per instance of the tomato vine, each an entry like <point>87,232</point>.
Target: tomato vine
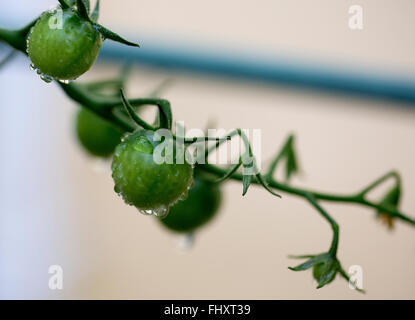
<point>121,112</point>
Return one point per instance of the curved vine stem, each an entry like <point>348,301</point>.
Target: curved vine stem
<point>377,182</point>
<point>333,223</point>
<point>353,198</point>
<point>16,38</point>
<point>140,122</point>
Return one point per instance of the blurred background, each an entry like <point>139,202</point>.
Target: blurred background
<point>281,66</point>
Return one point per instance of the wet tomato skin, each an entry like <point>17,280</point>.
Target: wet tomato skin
<point>98,136</point>
<point>142,182</point>
<point>63,50</point>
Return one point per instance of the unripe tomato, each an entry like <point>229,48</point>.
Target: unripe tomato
<point>142,182</point>
<point>323,268</point>
<point>98,136</point>
<point>64,50</point>
<point>197,209</point>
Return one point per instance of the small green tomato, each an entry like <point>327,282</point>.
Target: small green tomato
<point>62,45</point>
<point>98,136</point>
<point>141,181</point>
<point>197,209</point>
<point>325,270</point>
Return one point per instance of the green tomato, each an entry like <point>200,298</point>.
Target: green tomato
<point>141,181</point>
<point>98,136</point>
<point>322,269</point>
<point>63,46</point>
<point>197,209</point>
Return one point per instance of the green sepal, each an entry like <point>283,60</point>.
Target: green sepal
<point>263,183</point>
<point>95,13</point>
<point>288,156</point>
<point>325,268</point>
<point>230,172</point>
<point>108,34</point>
<point>83,9</point>
<point>291,165</point>
<point>392,197</point>
<point>87,5</point>
<point>246,181</point>
<point>64,4</point>
<point>311,262</point>
<point>324,272</point>
<point>390,201</point>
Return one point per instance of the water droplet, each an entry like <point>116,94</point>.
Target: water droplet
<point>160,212</point>
<point>64,81</point>
<point>184,195</point>
<point>32,67</point>
<point>46,78</point>
<point>146,212</point>
<point>100,165</point>
<point>186,241</point>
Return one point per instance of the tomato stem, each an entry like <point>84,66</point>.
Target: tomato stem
<point>107,107</point>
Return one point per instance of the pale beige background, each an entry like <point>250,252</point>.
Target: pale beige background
<point>57,208</point>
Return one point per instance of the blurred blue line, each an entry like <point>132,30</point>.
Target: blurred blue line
<point>285,70</point>
<point>273,70</point>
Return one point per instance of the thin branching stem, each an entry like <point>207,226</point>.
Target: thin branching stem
<point>333,223</point>
<point>278,157</point>
<point>353,198</point>
<point>377,182</point>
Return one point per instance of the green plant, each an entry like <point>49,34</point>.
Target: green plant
<point>65,42</point>
<point>63,53</point>
<point>98,136</point>
<point>150,186</point>
<point>200,206</point>
<point>140,144</point>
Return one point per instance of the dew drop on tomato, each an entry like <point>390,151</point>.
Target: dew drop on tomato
<point>159,212</point>
<point>186,241</point>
